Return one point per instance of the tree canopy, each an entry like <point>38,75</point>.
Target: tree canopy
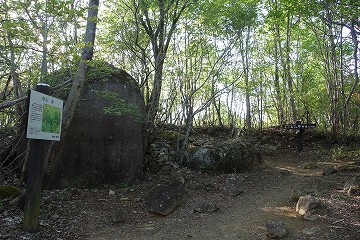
<point>248,63</point>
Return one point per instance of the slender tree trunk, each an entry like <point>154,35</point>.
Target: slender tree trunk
<point>333,77</point>
<point>245,60</point>
<point>287,69</point>
<point>215,104</point>
<point>18,91</point>
<point>356,59</point>
<point>4,91</point>
<point>160,35</point>
<point>345,113</point>
<point>44,62</point>
<point>278,97</point>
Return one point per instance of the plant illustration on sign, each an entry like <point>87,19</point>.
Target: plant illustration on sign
<point>51,119</point>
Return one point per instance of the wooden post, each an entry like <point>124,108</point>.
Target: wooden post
<point>299,140</point>
<point>299,132</point>
<point>300,129</point>
<point>34,176</point>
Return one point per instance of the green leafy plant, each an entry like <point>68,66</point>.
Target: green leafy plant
<point>119,106</point>
<point>51,119</point>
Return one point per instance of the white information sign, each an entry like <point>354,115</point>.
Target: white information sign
<point>45,117</point>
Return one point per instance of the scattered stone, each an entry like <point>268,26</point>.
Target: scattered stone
<point>329,170</point>
<point>119,215</point>
<point>311,231</point>
<point>7,191</point>
<point>296,194</point>
<point>310,217</point>
<point>111,193</point>
<point>306,203</point>
<point>354,191</point>
<point>165,199</point>
<point>233,191</point>
<point>310,165</point>
<point>352,187</point>
<point>205,207</point>
<point>276,229</point>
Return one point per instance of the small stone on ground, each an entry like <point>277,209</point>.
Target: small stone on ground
<point>276,229</point>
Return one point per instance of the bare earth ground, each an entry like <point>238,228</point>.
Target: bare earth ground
<point>86,213</point>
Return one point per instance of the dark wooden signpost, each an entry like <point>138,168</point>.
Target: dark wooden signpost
<point>41,106</point>
<point>300,129</point>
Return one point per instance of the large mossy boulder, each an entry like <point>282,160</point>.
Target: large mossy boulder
<point>105,142</point>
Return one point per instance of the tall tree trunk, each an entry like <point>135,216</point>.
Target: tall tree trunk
<point>215,104</point>
<point>18,91</point>
<point>287,69</point>
<point>52,158</point>
<point>279,102</point>
<point>333,76</point>
<point>160,36</point>
<point>44,61</point>
<point>245,60</point>
<point>356,59</point>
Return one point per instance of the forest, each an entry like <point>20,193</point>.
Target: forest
<point>223,67</point>
<point>242,64</point>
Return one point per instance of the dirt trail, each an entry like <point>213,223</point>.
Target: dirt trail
<point>266,197</point>
<point>86,213</point>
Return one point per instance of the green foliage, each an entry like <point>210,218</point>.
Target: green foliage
<point>193,67</point>
<point>345,152</point>
<point>119,107</point>
<point>171,136</point>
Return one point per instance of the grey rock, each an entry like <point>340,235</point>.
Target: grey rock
<point>205,207</point>
<point>164,199</point>
<point>329,170</point>
<point>354,191</point>
<point>203,159</point>
<point>311,231</point>
<point>306,203</point>
<point>228,157</point>
<point>310,217</point>
<point>233,191</point>
<point>296,194</point>
<point>310,165</point>
<point>276,229</point>
<point>119,215</point>
<point>352,187</point>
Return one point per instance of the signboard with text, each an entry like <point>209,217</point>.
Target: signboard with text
<point>45,117</point>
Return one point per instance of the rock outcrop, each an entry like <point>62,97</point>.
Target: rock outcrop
<point>229,157</point>
<point>105,141</point>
